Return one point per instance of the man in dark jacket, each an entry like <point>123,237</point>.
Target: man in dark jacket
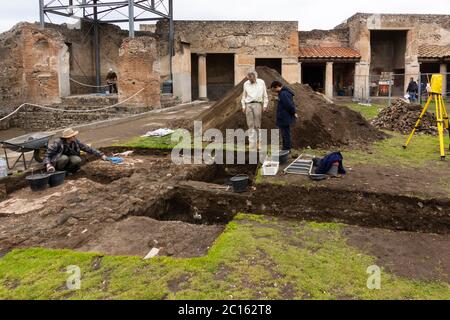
<point>64,154</point>
<point>286,113</point>
<point>413,90</point>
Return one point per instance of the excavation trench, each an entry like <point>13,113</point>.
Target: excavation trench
<point>151,203</point>
<point>207,198</point>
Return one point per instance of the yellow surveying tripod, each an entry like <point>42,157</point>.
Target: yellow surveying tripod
<point>441,112</point>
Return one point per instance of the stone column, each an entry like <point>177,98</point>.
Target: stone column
<point>329,80</point>
<point>202,79</point>
<point>300,73</point>
<point>362,72</point>
<point>444,76</point>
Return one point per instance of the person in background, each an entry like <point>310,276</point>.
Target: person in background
<point>111,80</point>
<point>286,113</point>
<point>413,90</point>
<point>64,154</point>
<point>254,101</point>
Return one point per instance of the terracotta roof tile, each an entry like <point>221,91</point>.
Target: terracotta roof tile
<point>328,53</point>
<point>429,51</point>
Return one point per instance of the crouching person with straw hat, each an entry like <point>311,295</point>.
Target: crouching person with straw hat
<point>65,153</point>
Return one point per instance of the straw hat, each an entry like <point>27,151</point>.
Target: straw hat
<point>69,133</point>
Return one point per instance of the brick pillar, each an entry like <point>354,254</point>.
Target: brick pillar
<point>444,80</point>
<point>329,80</point>
<point>202,79</point>
<point>136,74</point>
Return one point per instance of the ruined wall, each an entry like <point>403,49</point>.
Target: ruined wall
<point>247,40</point>
<point>81,55</point>
<point>324,38</point>
<point>80,42</point>
<point>138,59</point>
<point>421,29</point>
<point>33,66</point>
<point>181,64</point>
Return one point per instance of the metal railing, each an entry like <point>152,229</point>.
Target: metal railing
<point>386,87</point>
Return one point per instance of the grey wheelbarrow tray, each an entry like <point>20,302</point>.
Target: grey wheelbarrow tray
<point>32,142</point>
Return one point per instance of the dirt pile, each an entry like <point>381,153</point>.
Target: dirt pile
<point>320,123</point>
<point>402,117</point>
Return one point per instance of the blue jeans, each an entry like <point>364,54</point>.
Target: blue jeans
<point>412,96</point>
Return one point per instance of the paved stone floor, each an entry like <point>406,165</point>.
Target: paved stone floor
<point>108,134</point>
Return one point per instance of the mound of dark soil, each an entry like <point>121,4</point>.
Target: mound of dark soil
<point>320,123</point>
<point>402,117</point>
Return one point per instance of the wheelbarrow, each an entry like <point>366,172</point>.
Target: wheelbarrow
<point>33,142</point>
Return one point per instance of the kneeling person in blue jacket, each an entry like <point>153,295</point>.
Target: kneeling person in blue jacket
<point>64,154</point>
<point>286,113</point>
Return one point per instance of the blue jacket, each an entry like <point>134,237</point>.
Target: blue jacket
<point>286,109</point>
<point>327,162</point>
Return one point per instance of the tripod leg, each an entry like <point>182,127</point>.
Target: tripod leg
<point>445,115</point>
<point>440,124</point>
<point>430,98</point>
<point>446,120</point>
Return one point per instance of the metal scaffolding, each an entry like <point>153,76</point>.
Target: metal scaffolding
<point>111,11</point>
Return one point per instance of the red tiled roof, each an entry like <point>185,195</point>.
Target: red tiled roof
<point>434,51</point>
<point>328,53</point>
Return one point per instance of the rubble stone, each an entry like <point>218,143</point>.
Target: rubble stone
<point>402,117</point>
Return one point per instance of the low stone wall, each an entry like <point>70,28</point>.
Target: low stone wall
<point>40,120</point>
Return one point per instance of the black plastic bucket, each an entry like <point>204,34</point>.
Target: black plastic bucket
<point>38,182</point>
<point>240,183</point>
<point>57,179</point>
<point>282,157</point>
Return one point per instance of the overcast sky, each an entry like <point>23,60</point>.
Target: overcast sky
<point>311,14</point>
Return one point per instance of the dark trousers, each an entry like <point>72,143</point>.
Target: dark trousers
<point>68,163</point>
<point>112,88</point>
<point>286,137</point>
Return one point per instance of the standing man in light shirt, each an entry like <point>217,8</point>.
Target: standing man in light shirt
<point>254,101</point>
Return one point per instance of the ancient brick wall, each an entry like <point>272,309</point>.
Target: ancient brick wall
<point>82,52</point>
<point>138,58</point>
<point>420,30</point>
<point>324,38</point>
<point>247,40</point>
<point>32,65</point>
<point>242,37</point>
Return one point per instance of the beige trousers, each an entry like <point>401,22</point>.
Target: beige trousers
<point>253,113</point>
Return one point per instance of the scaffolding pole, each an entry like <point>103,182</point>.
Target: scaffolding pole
<point>171,39</point>
<point>41,14</point>
<point>131,18</point>
<point>97,12</point>
<point>98,80</point>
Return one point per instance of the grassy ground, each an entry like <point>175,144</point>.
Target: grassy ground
<point>280,260</point>
<point>423,150</point>
<point>150,142</point>
<point>367,112</point>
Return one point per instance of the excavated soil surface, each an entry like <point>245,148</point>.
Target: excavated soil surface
<point>108,209</point>
<point>148,202</point>
<point>320,124</point>
<point>419,256</point>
